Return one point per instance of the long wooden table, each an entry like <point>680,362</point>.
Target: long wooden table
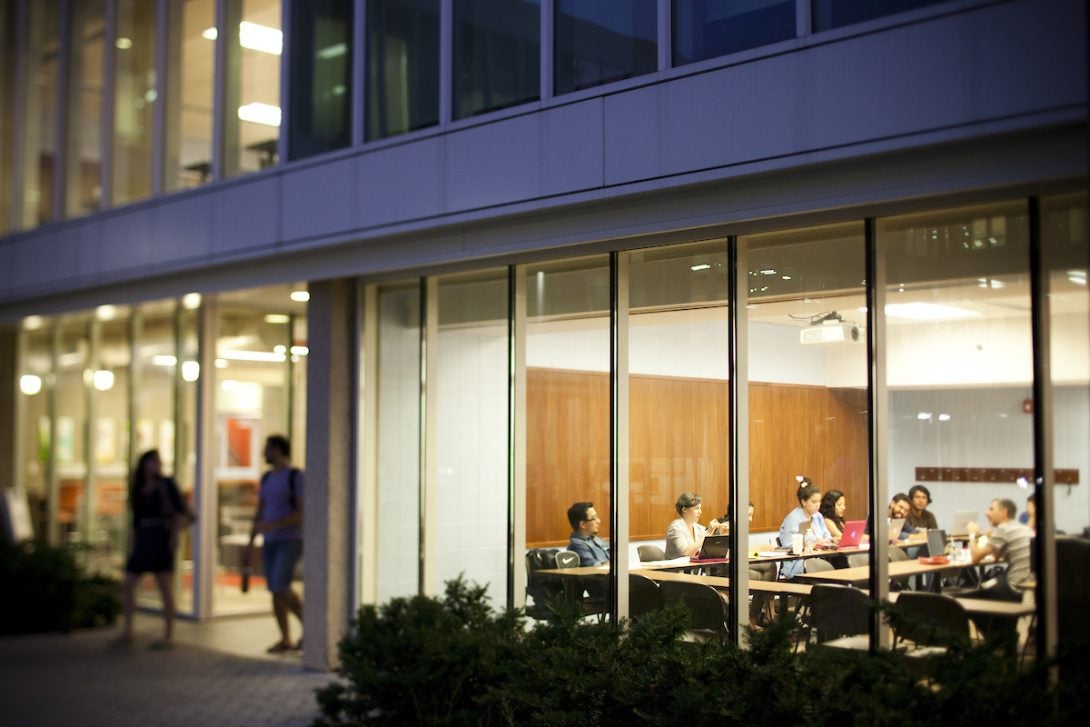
<point>897,569</point>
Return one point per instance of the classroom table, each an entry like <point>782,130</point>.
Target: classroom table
<point>897,569</point>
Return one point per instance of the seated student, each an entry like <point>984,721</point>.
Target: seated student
<point>584,539</point>
<point>685,535</point>
<point>757,571</point>
<point>1028,517</point>
<point>1008,540</point>
<point>809,498</point>
<point>833,506</point>
<point>919,516</point>
<point>899,508</point>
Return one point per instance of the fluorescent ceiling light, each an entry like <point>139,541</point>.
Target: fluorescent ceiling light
<point>928,312</point>
<point>924,416</point>
<point>221,363</point>
<point>277,318</point>
<point>260,356</point>
<point>191,301</point>
<point>280,348</point>
<point>300,296</point>
<point>944,417</point>
<point>106,312</point>
<point>701,266</point>
<point>75,358</point>
<point>103,379</point>
<point>209,34</point>
<point>123,43</point>
<point>191,371</point>
<point>1078,277</point>
<point>163,359</point>
<point>30,384</point>
<point>300,350</point>
<point>260,38</point>
<point>32,323</point>
<point>332,51</point>
<point>260,113</point>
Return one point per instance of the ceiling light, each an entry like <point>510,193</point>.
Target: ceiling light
<point>163,359</point>
<point>280,348</point>
<point>699,267</point>
<point>106,312</point>
<point>300,350</point>
<point>332,51</point>
<point>123,43</point>
<point>33,323</point>
<point>1078,277</point>
<point>103,380</point>
<point>191,301</point>
<point>259,356</point>
<point>944,417</point>
<point>768,272</point>
<point>221,363</point>
<point>928,312</point>
<point>1022,482</point>
<point>786,277</point>
<point>277,318</point>
<point>191,371</point>
<point>260,38</point>
<point>300,296</point>
<point>924,416</point>
<point>209,34</point>
<point>260,113</point>
<point>30,384</point>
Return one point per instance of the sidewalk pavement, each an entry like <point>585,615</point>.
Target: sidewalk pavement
<point>82,679</point>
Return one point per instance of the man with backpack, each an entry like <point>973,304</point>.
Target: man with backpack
<point>279,519</point>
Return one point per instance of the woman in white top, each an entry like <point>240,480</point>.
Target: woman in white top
<point>685,536</point>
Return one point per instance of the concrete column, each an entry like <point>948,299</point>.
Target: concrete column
<point>332,406</point>
<point>9,387</point>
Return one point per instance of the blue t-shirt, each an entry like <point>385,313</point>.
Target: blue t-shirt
<point>276,496</point>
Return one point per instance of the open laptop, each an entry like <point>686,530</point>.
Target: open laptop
<point>715,546</point>
<point>936,542</point>
<point>896,525</point>
<point>852,534</point>
<point>962,518</point>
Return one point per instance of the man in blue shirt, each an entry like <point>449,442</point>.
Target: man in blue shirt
<point>584,540</point>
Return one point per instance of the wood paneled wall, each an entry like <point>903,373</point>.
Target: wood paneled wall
<point>678,441</point>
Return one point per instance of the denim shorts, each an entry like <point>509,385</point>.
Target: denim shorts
<point>280,558</point>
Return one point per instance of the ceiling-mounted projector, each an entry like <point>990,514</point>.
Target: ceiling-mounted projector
<point>831,331</point>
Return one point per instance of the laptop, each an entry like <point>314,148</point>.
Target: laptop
<point>852,534</point>
<point>896,525</point>
<point>936,542</point>
<point>715,546</point>
<point>804,527</point>
<point>962,518</point>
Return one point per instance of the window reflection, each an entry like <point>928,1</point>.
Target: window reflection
<point>601,42</point>
<point>496,54</point>
<point>253,129</point>
<point>40,119</point>
<point>828,14</point>
<point>84,123</point>
<point>321,66</point>
<point>402,66</point>
<point>709,28</point>
<point>190,88</point>
<point>137,93</point>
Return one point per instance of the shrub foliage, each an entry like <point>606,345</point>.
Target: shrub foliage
<point>454,661</point>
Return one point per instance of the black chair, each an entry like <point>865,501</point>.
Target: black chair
<point>567,559</point>
<point>1073,589</point>
<point>644,596</point>
<point>542,589</point>
<point>930,620</point>
<point>650,553</point>
<point>837,612</point>
<point>707,608</point>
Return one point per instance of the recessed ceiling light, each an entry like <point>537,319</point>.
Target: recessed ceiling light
<point>191,301</point>
<point>123,43</point>
<point>300,296</point>
<point>260,113</point>
<point>701,266</point>
<point>260,38</point>
<point>924,416</point>
<point>277,318</point>
<point>33,323</point>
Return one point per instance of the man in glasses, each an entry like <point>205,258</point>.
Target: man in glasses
<point>584,540</point>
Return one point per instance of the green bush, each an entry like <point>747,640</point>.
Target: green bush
<point>453,661</point>
<point>46,591</point>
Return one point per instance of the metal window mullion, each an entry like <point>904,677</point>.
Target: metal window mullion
<point>109,110</point>
<point>366,588</point>
<point>665,35</point>
<point>1045,474</point>
<point>287,31</point>
<point>738,443</point>
<point>516,412</point>
<point>158,113</point>
<point>619,439</point>
<point>62,121</point>
<point>429,330</point>
<point>51,483</point>
<point>803,18</point>
<point>878,427</point>
<point>358,83</point>
<point>446,61</point>
<point>205,486</point>
<point>547,51</point>
<point>93,332</point>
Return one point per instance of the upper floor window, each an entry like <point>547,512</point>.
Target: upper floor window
<point>828,14</point>
<point>402,66</point>
<point>710,28</point>
<point>601,42</point>
<point>497,49</point>
<point>321,77</point>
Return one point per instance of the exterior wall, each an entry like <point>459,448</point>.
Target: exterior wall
<point>1003,83</point>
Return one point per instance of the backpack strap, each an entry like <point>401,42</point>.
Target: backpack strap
<point>293,497</point>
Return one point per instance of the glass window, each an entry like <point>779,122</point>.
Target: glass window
<point>470,472</point>
<point>959,370</point>
<point>497,50</point>
<point>36,389</point>
<point>402,66</point>
<point>828,14</point>
<point>70,428</point>
<point>136,92</point>
<point>709,28</point>
<point>399,453</point>
<point>601,42</point>
<point>189,89</point>
<point>253,134</point>
<point>567,414</point>
<point>807,363</point>
<point>40,115</point>
<point>185,438</point>
<point>7,90</point>
<point>321,77</point>
<point>83,181</point>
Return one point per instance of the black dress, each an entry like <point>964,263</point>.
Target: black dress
<point>153,517</point>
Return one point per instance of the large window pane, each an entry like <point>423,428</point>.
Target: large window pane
<point>959,368</point>
<point>136,91</point>
<point>40,115</point>
<point>398,441</point>
<point>321,82</point>
<point>496,54</point>
<point>83,182</point>
<point>601,42</point>
<point>829,14</point>
<point>70,428</point>
<point>471,431</point>
<point>7,111</point>
<point>36,390</point>
<point>807,381</point>
<point>257,43</point>
<point>709,28</point>
<point>402,66</point>
<point>190,90</point>
<point>567,374</point>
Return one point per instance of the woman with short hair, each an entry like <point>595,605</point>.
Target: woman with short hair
<point>685,534</point>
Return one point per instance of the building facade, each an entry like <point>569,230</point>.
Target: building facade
<point>482,259</point>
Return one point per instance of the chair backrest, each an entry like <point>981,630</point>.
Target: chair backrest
<point>816,565</point>
<point>1073,589</point>
<point>707,609</point>
<point>896,554</point>
<point>837,611</point>
<point>567,559</point>
<point>858,559</point>
<point>650,552</point>
<point>644,596</point>
<point>538,588</point>
<point>930,619</point>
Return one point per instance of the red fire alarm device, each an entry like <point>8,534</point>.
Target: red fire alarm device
<point>1027,406</point>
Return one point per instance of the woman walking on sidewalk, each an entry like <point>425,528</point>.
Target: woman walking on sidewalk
<point>159,514</point>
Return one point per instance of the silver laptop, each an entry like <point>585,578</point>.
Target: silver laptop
<point>962,518</point>
<point>896,525</point>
